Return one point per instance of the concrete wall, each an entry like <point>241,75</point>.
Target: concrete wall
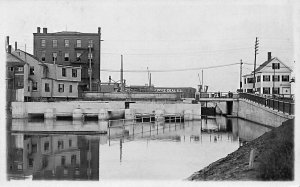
<point>255,112</point>
<point>138,96</point>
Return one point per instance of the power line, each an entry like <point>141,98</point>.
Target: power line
<point>171,70</point>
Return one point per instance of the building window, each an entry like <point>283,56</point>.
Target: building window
<point>34,148</point>
<point>34,86</point>
<point>47,88</point>
<point>63,160</point>
<point>275,90</point>
<point>73,159</point>
<point>63,72</point>
<point>276,78</point>
<point>266,90</point>
<point>54,43</point>
<point>66,56</point>
<point>74,72</point>
<point>70,143</point>
<point>285,78</point>
<point>10,68</point>
<point>70,89</point>
<point>54,57</point>
<point>250,80</point>
<point>60,144</point>
<point>78,43</point>
<point>90,43</point>
<point>43,43</point>
<point>46,146</point>
<point>43,58</point>
<point>258,90</point>
<point>30,162</point>
<point>31,70</point>
<point>258,78</point>
<point>78,57</point>
<point>60,87</point>
<point>266,78</point>
<point>245,81</point>
<point>275,66</point>
<point>67,43</point>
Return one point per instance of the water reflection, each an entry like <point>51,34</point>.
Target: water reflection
<point>71,150</point>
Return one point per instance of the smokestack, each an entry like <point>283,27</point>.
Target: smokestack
<point>99,30</point>
<point>9,49</point>
<point>7,40</point>
<point>16,46</point>
<point>109,79</point>
<point>269,56</point>
<point>38,30</point>
<point>44,30</point>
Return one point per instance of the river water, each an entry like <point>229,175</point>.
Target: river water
<point>68,150</point>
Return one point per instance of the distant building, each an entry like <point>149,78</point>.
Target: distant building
<point>272,77</point>
<point>14,77</point>
<point>70,49</point>
<point>44,80</point>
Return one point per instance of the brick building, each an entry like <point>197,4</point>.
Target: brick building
<point>70,49</point>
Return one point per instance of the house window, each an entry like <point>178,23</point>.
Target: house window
<point>275,66</point>
<point>74,72</point>
<point>54,57</point>
<point>63,72</point>
<point>67,43</point>
<point>47,88</point>
<point>34,148</point>
<point>275,90</point>
<point>31,70</point>
<point>60,144</point>
<point>34,86</point>
<point>70,89</point>
<point>78,56</point>
<point>249,80</point>
<point>90,43</point>
<point>60,87</point>
<point>266,90</point>
<point>285,78</point>
<point>245,81</point>
<point>276,78</point>
<point>258,78</point>
<point>46,146</point>
<point>43,43</point>
<point>63,160</point>
<point>78,43</point>
<point>266,78</point>
<point>66,56</point>
<point>43,56</point>
<point>54,43</point>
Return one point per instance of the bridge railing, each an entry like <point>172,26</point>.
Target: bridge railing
<point>279,104</point>
<point>219,95</point>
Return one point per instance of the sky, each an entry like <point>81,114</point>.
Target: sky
<point>166,36</point>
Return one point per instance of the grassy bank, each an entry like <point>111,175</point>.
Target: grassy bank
<point>274,159</point>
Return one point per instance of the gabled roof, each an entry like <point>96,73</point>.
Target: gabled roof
<point>13,60</point>
<point>267,62</point>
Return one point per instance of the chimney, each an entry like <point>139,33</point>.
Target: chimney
<point>44,30</point>
<point>38,30</point>
<point>16,46</point>
<point>7,40</point>
<point>9,49</point>
<point>269,56</point>
<point>99,30</point>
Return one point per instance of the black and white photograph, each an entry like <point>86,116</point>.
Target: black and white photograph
<point>149,92</point>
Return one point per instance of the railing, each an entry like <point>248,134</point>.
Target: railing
<point>218,95</point>
<point>279,104</point>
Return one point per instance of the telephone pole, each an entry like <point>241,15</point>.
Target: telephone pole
<point>255,53</point>
<point>122,87</point>
<point>241,74</point>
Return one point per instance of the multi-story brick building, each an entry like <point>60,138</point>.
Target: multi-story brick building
<point>271,77</point>
<point>71,49</point>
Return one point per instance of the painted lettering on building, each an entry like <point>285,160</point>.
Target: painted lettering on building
<point>169,90</point>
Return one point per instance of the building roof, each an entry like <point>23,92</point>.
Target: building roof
<point>12,60</point>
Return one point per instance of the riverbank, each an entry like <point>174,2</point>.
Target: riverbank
<point>274,159</point>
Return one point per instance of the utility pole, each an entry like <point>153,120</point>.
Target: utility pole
<point>255,53</point>
<point>241,74</point>
<point>202,81</point>
<point>90,68</point>
<point>122,88</point>
<point>99,32</point>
